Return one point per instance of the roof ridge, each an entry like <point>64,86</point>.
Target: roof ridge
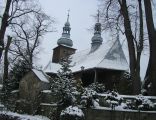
<point>106,53</point>
<point>47,65</point>
<point>47,76</point>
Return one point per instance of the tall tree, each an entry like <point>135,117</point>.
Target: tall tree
<point>131,47</point>
<point>6,62</point>
<point>19,69</point>
<point>15,9</point>
<point>124,16</point>
<point>27,24</point>
<point>64,85</point>
<point>4,25</point>
<point>28,33</point>
<point>151,71</point>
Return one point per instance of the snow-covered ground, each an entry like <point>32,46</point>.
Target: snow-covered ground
<point>24,117</point>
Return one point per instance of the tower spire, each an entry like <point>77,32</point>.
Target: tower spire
<point>96,39</point>
<point>98,16</point>
<point>68,15</point>
<point>65,39</point>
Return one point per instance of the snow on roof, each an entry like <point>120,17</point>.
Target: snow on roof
<point>41,75</point>
<point>108,56</point>
<point>64,46</point>
<point>52,67</point>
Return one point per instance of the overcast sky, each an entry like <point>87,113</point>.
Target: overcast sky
<point>81,20</point>
<point>81,12</point>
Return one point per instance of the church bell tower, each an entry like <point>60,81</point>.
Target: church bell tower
<point>65,44</point>
<point>96,39</point>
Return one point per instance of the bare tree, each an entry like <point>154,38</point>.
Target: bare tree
<point>15,9</point>
<point>26,24</point>
<point>151,71</point>
<point>126,17</point>
<point>6,62</point>
<point>4,25</point>
<point>28,33</point>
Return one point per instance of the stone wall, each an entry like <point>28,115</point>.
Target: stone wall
<point>100,114</point>
<point>49,109</point>
<point>30,87</point>
<point>48,97</point>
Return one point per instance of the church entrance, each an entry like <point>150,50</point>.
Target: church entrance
<point>87,77</point>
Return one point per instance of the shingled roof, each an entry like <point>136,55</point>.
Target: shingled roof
<point>108,56</point>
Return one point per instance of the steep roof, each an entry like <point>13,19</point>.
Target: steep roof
<point>108,56</point>
<point>41,75</point>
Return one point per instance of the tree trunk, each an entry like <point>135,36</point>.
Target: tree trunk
<point>151,73</point>
<point>6,63</point>
<point>130,40</point>
<point>4,25</point>
<point>140,44</point>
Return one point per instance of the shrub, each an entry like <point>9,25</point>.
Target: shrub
<point>72,113</point>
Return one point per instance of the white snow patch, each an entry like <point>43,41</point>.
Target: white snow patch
<point>119,108</point>
<point>41,75</point>
<point>14,91</point>
<point>73,110</point>
<point>127,96</point>
<point>1,105</point>
<point>24,117</point>
<point>48,104</point>
<point>52,67</point>
<point>46,91</point>
<point>95,103</point>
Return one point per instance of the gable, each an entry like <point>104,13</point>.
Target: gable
<point>116,52</point>
<point>108,56</point>
<point>41,75</point>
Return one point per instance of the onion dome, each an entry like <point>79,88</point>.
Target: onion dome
<point>65,38</point>
<point>96,39</point>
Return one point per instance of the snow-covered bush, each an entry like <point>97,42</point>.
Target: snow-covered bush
<point>130,104</point>
<point>143,103</point>
<point>99,88</point>
<point>125,84</point>
<point>113,99</point>
<point>72,113</point>
<point>89,98</point>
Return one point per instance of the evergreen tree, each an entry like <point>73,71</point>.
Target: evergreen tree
<point>64,84</point>
<point>20,68</point>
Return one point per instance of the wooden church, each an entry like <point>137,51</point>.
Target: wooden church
<point>103,62</point>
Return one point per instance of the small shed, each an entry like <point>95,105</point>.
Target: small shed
<point>32,84</point>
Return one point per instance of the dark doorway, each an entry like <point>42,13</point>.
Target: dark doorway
<point>87,78</point>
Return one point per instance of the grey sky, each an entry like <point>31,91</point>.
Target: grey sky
<point>81,20</point>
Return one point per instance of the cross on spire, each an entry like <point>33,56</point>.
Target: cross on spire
<point>68,15</point>
<point>98,16</point>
